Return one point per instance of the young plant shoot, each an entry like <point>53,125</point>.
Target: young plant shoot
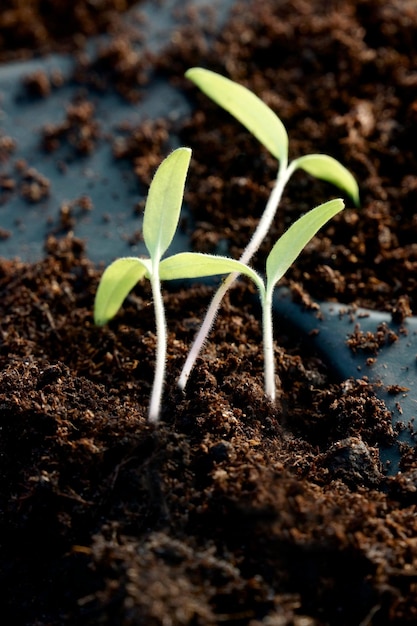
<point>160,221</point>
<point>281,257</point>
<point>264,124</point>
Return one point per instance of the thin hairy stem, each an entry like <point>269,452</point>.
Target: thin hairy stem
<point>205,328</point>
<point>268,347</point>
<point>252,247</point>
<point>161,347</point>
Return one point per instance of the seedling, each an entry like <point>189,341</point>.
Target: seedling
<point>281,257</point>
<point>160,222</point>
<point>264,124</point>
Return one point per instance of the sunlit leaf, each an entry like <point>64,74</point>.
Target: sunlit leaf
<point>329,169</point>
<point>163,205</point>
<point>246,107</point>
<point>292,242</point>
<point>197,265</point>
<point>117,281</point>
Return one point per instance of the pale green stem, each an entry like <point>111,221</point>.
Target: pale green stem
<point>161,346</point>
<point>268,345</point>
<point>252,247</point>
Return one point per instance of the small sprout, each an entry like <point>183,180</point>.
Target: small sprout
<point>283,254</point>
<point>160,221</point>
<point>264,124</point>
<point>281,257</point>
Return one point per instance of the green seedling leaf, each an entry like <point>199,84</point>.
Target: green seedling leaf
<point>292,242</point>
<point>329,169</point>
<point>164,201</point>
<point>197,265</point>
<point>117,281</point>
<point>246,107</point>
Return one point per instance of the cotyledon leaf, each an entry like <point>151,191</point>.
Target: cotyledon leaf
<point>198,265</point>
<point>163,205</point>
<point>117,280</point>
<point>292,242</point>
<point>329,169</point>
<point>246,107</point>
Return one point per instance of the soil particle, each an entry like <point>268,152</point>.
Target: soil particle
<point>34,186</point>
<point>39,84</point>
<point>371,342</point>
<point>79,129</point>
<point>118,66</point>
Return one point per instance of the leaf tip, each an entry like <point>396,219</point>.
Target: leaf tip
<point>192,71</point>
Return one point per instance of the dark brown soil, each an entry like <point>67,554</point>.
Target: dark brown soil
<point>230,511</point>
<point>40,26</point>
